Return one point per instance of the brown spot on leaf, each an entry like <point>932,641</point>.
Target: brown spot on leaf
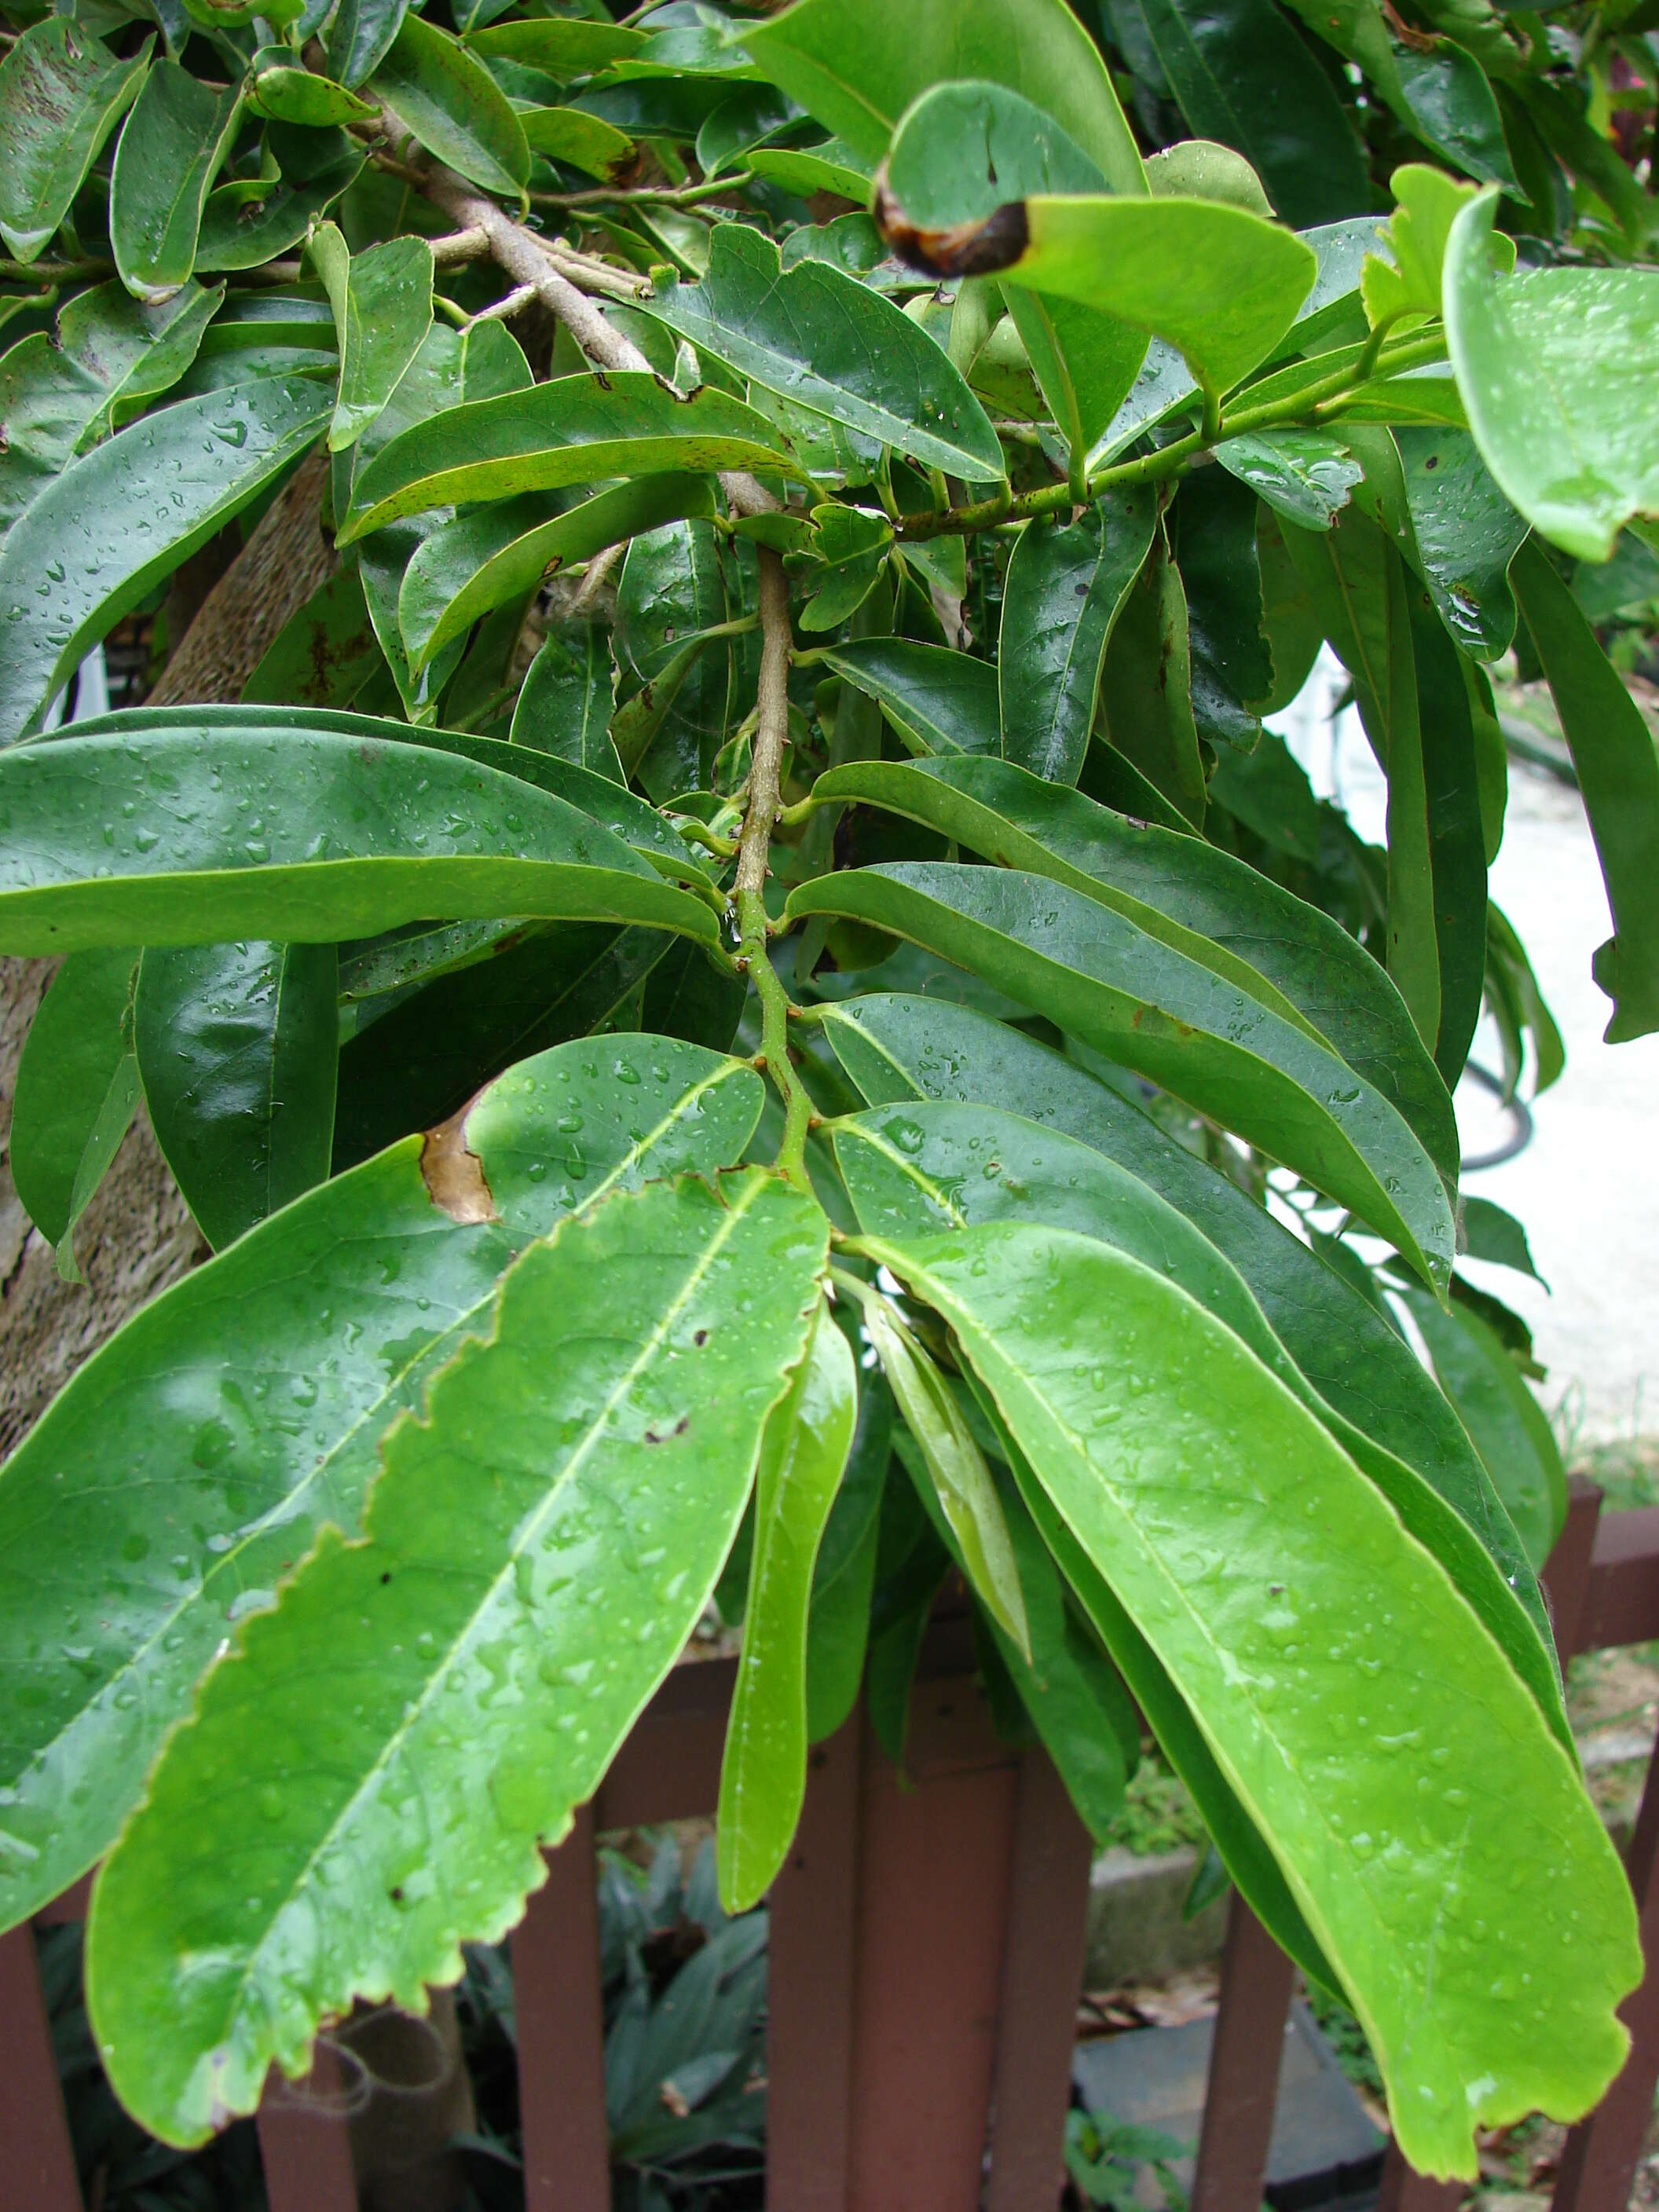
<point>963,249</point>
<point>453,1175</point>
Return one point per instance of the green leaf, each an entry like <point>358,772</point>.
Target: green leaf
<point>562,46</point>
<point>1147,691</point>
<point>62,392</point>
<point>576,429</point>
<point>937,699</point>
<point>322,655</point>
<point>236,1047</point>
<point>356,834</point>
<point>553,1525</point>
<point>857,66</point>
<point>96,540</point>
<point>830,166</point>
<point>382,564</point>
<point>1197,900</point>
<point>1257,1560</point>
<point>1510,1428</point>
<point>358,35</point>
<point>1456,850</point>
<point>822,340</point>
<point>250,1410</point>
<point>565,706</point>
<point>1613,754</point>
<point>1466,534</point>
<point>244,226</point>
<point>453,106</point>
<point>899,1048</point>
<point>1241,75</point>
<point>382,303</point>
<point>283,92</point>
<point>76,1091</point>
<point>956,1470</point>
<point>169,152</point>
<point>1149,1006</point>
<point>61,94</point>
<point>1552,366</point>
<point>1487,1231</point>
<point>1232,661</point>
<point>565,134</point>
<point>1204,169</point>
<point>763,1772</point>
<point>492,556</point>
<point>838,1625</point>
<point>1065,587</point>
<point>671,592</point>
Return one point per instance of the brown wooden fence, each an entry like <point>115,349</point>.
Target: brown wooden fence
<point>926,1963</point>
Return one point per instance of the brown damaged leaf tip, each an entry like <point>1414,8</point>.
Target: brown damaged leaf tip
<point>964,249</point>
<point>453,1175</point>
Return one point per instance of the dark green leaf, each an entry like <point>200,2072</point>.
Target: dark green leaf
<point>170,150</point>
<point>382,303</point>
<point>236,1047</point>
<point>244,226</point>
<point>1231,662</point>
<point>76,1091</point>
<point>938,701</point>
<point>1306,476</point>
<point>322,655</point>
<point>61,94</point>
<point>453,106</point>
<point>1147,692</point>
<point>564,45</point>
<point>566,703</point>
<point>1466,534</point>
<point>671,589</point>
<point>1457,858</point>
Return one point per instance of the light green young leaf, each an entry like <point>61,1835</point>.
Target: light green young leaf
<point>1203,169</point>
<point>61,394</point>
<point>492,556</point>
<point>170,151</point>
<point>763,1772</point>
<point>566,134</point>
<point>1242,1539</point>
<point>274,1402</point>
<point>360,834</point>
<point>453,106</point>
<point>61,94</point>
<point>618,1407</point>
<point>75,1094</point>
<point>382,303</point>
<point>236,1046</point>
<point>1551,364</point>
<point>576,429</point>
<point>1065,588</point>
<point>283,92</point>
<point>1149,1006</point>
<point>88,549</point>
<point>955,1467</point>
<point>1612,753</point>
<point>822,340</point>
<point>1427,201</point>
<point>562,46</point>
<point>1201,902</point>
<point>857,65</point>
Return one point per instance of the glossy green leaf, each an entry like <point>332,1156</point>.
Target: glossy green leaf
<point>1205,169</point>
<point>1510,1429</point>
<point>898,1048</point>
<point>61,94</point>
<point>251,1412</point>
<point>382,303</point>
<point>938,701</point>
<point>1466,534</point>
<point>857,66</point>
<point>1306,476</point>
<point>576,430</point>
<point>955,1467</point>
<point>382,564</point>
<point>1065,587</point>
<point>616,1410</point>
<point>670,594</point>
<point>76,1091</point>
<point>763,1772</point>
<point>1254,1557</point>
<point>244,226</point>
<point>1613,754</point>
<point>236,1047</point>
<point>1097,974</point>
<point>356,834</point>
<point>566,702</point>
<point>1199,902</point>
<point>453,106</point>
<point>565,134</point>
<point>916,1170</point>
<point>830,166</point>
<point>97,540</point>
<point>1455,837</point>
<point>1232,661</point>
<point>170,150</point>
<point>284,93</point>
<point>838,1624</point>
<point>1242,74</point>
<point>1147,691</point>
<point>492,556</point>
<point>1552,366</point>
<point>564,45</point>
<point>358,34</point>
<point>109,354</point>
<point>823,341</point>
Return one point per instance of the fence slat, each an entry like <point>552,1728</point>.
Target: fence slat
<point>37,2172</point>
<point>1622,1603</point>
<point>1256,1981</point>
<point>1599,2163</point>
<point>305,2139</point>
<point>559,2007</point>
<point>1042,1983</point>
<point>1567,1576</point>
<point>932,1900</point>
<point>811,1989</point>
<point>1405,2190</point>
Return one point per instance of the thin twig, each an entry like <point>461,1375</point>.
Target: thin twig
<point>680,195</point>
